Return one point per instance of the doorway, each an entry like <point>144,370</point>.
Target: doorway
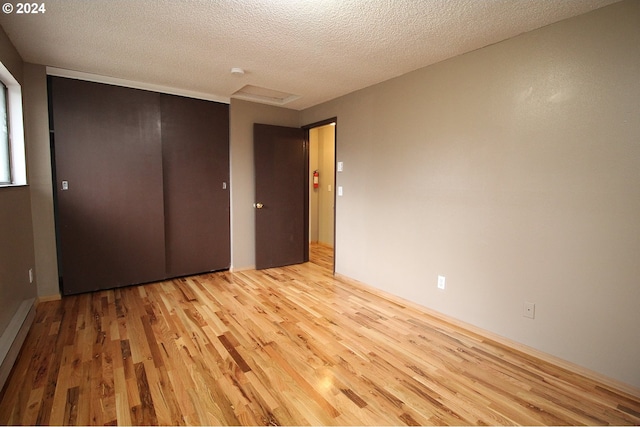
<point>291,200</point>
<point>322,161</point>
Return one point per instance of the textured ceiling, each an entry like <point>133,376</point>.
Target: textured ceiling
<point>315,49</point>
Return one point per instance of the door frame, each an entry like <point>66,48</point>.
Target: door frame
<point>306,129</point>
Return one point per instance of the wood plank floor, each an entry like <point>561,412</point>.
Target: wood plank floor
<point>285,346</point>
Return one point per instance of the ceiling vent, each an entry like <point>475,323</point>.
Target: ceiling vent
<point>264,95</point>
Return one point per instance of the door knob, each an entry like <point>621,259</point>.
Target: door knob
<point>259,205</point>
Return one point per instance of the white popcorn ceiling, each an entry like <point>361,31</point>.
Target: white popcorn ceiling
<point>317,49</point>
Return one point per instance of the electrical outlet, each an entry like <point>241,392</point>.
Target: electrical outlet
<point>31,275</point>
<point>441,282</point>
<point>529,310</point>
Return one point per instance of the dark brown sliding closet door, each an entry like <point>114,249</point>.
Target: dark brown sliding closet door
<point>195,147</point>
<point>142,185</point>
<point>108,160</point>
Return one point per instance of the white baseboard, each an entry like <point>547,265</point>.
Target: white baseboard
<point>239,269</point>
<point>13,337</point>
<point>47,298</point>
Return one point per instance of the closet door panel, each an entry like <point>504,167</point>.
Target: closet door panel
<point>110,205</point>
<point>195,146</point>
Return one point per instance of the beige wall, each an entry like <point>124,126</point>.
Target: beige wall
<point>16,232</point>
<point>16,251</point>
<point>314,159</point>
<point>243,115</point>
<point>514,171</point>
<point>326,189</point>
<point>10,57</point>
<point>321,199</point>
<point>39,160</point>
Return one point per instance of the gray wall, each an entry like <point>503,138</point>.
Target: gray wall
<point>243,115</point>
<point>39,160</point>
<point>16,232</point>
<point>514,171</point>
<point>16,251</point>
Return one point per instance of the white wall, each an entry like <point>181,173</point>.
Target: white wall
<point>514,171</point>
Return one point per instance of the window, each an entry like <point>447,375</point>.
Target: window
<point>13,169</point>
<point>5,158</point>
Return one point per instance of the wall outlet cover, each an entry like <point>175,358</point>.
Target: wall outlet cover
<point>529,310</point>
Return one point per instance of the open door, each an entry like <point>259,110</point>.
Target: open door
<point>282,198</point>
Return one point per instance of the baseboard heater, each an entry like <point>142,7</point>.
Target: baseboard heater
<point>13,337</point>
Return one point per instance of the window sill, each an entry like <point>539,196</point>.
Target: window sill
<point>12,186</point>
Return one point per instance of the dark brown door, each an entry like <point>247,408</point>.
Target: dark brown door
<point>108,161</point>
<point>282,199</point>
<point>195,147</point>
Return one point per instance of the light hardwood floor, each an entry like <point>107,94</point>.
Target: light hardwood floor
<point>288,346</point>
